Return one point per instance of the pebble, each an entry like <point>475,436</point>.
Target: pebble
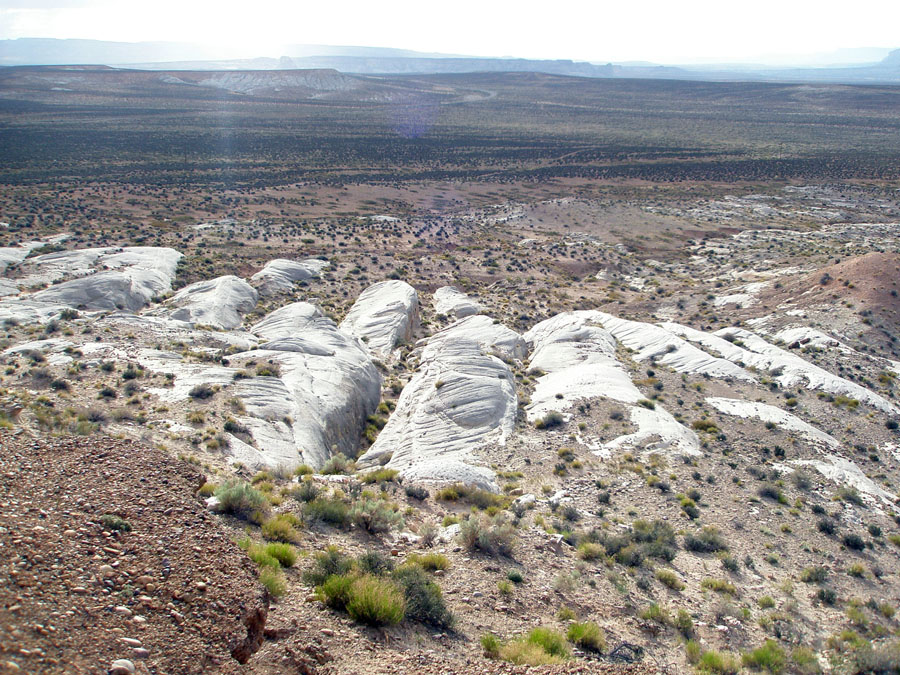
<point>121,609</point>
<point>327,632</point>
<point>106,571</point>
<point>132,642</point>
<point>140,653</point>
<point>121,667</point>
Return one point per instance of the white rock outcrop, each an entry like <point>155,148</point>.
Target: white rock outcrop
<point>453,302</point>
<point>578,356</point>
<point>769,413</point>
<point>106,278</point>
<point>491,335</point>
<point>219,302</point>
<point>383,316</point>
<point>658,343</point>
<point>578,359</point>
<point>786,368</point>
<point>280,275</point>
<point>461,398</point>
<point>319,402</point>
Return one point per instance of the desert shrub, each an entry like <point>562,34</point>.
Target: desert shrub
<point>656,614</point>
<point>335,590</point>
<point>551,641</point>
<point>491,645</point>
<point>374,515</point>
<point>429,561</point>
<point>416,492</point>
<point>684,623</point>
<point>423,597</point>
<point>375,602</point>
<point>373,562</point>
<point>273,580</point>
<point>657,539</point>
<point>337,464</point>
<point>280,528</point>
<point>515,576</point>
<point>332,511</point>
<point>772,492</point>
<point>805,662</point>
<point>813,575</point>
<point>493,536</point>
<point>670,579</point>
<point>720,663</point>
<point>305,491</point>
<point>524,653</point>
<point>550,420</point>
<point>880,661</point>
<point>285,554</point>
<point>379,476</point>
<point>853,541</point>
<point>201,392</point>
<point>708,540</point>
<point>588,636</point>
<point>479,498</point>
<point>770,656</point>
<point>329,562</point>
<point>826,526</point>
<point>113,522</point>
<point>766,602</point>
<point>827,596</point>
<point>242,500</point>
<point>718,585</point>
<point>590,551</point>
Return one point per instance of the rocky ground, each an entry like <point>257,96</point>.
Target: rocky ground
<point>681,410</point>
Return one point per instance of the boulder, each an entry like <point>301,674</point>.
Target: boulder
<point>280,275</point>
<point>383,316</point>
<point>453,302</point>
<point>219,302</point>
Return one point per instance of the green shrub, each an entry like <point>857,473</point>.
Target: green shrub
<point>766,602</point>
<point>708,540</point>
<point>813,575</point>
<point>335,591</point>
<point>424,600</point>
<point>550,420</point>
<point>260,556</point>
<point>524,653</point>
<point>684,623</point>
<point>515,576</point>
<point>588,636</point>
<point>376,563</point>
<point>338,464</point>
<point>718,585</point>
<point>588,550</point>
<point>430,561</point>
<point>241,500</point>
<point>332,511</point>
<point>491,645</point>
<point>670,579</point>
<point>657,614</point>
<point>768,657</point>
<point>375,602</point>
<point>113,522</point>
<point>374,515</point>
<point>805,661</point>
<point>273,580</point>
<point>328,562</point>
<point>280,528</point>
<point>305,491</point>
<point>719,663</point>
<point>881,661</point>
<point>551,641</point>
<point>285,554</point>
<point>379,476</point>
<point>493,536</point>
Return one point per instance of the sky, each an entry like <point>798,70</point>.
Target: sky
<point>661,31</point>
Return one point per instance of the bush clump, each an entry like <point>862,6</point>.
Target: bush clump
<point>588,636</point>
<point>375,602</point>
<point>494,536</point>
<point>770,657</point>
<point>375,515</point>
<point>331,511</point>
<point>708,540</point>
<point>424,600</point>
<point>240,499</point>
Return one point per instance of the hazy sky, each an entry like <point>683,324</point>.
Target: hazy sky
<point>664,31</point>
